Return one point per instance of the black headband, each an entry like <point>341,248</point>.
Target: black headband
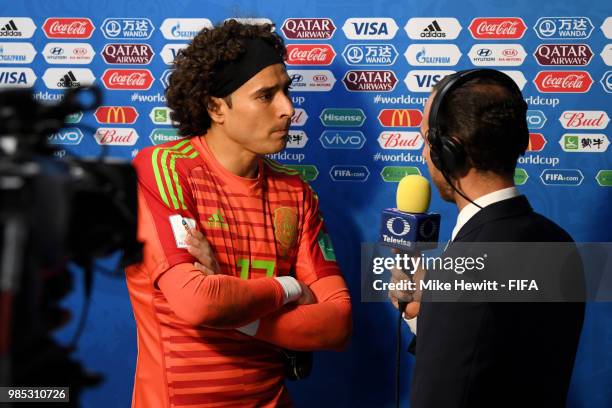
<point>258,55</point>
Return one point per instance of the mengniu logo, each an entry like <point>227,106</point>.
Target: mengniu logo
<point>68,136</point>
<point>116,114</point>
<point>535,119</point>
<point>296,139</point>
<point>116,136</point>
<point>127,28</point>
<point>127,79</point>
<point>342,139</point>
<point>369,81</point>
<point>584,119</point>
<point>68,28</point>
<point>130,54</point>
<point>563,28</point>
<point>400,117</point>
<point>310,54</point>
<point>536,142</point>
<point>563,54</point>
<point>349,173</point>
<point>308,28</point>
<point>370,28</point>
<point>563,81</point>
<point>369,54</point>
<point>561,177</point>
<point>497,28</point>
<point>589,143</point>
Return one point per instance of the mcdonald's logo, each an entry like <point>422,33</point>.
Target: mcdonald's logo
<point>536,142</point>
<point>116,114</point>
<point>400,117</point>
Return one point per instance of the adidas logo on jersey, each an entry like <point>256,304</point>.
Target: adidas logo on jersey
<point>433,30</point>
<point>217,221</point>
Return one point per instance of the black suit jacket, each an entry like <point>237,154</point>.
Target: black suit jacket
<point>493,354</point>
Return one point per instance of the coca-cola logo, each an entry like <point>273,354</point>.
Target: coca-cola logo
<point>563,81</point>
<point>127,79</point>
<point>563,54</point>
<point>308,28</point>
<point>68,28</point>
<point>400,140</point>
<point>369,81</point>
<point>116,136</point>
<point>310,54</point>
<point>497,28</point>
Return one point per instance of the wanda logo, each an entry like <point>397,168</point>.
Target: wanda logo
<point>68,28</point>
<point>563,81</point>
<point>498,28</point>
<point>310,54</point>
<point>127,79</point>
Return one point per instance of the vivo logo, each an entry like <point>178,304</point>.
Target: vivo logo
<point>342,139</point>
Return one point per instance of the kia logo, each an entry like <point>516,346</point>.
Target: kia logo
<point>510,52</point>
<point>484,52</point>
<point>319,78</point>
<point>79,51</point>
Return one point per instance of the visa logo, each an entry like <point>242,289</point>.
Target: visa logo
<point>428,81</point>
<point>13,78</point>
<point>342,139</point>
<point>370,28</point>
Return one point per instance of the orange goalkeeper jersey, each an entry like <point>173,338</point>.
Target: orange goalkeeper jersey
<point>267,226</point>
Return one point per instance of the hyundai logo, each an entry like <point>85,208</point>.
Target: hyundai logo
<point>57,50</point>
<point>484,52</point>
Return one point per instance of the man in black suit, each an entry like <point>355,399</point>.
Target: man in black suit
<point>480,353</point>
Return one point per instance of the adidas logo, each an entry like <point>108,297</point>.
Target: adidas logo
<point>217,221</point>
<point>10,30</point>
<point>68,81</point>
<point>433,30</point>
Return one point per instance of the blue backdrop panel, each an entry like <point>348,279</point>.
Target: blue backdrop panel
<point>354,63</point>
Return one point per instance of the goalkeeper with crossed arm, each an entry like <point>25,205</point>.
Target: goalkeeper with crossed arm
<point>237,264</point>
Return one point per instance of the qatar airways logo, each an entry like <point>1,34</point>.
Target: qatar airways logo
<point>497,28</point>
<point>310,54</point>
<point>563,81</point>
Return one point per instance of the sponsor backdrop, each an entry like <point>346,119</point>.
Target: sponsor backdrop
<point>361,73</point>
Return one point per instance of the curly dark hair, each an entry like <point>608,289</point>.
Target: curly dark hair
<point>188,93</point>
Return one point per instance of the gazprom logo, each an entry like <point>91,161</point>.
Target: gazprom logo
<point>535,119</point>
<point>68,136</point>
<point>342,139</point>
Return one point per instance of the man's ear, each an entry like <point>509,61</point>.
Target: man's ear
<point>216,109</point>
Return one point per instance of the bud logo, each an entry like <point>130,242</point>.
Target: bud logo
<point>310,54</point>
<point>127,79</point>
<point>400,117</point>
<point>369,81</point>
<point>591,143</point>
<point>116,114</point>
<point>68,53</point>
<point>164,135</point>
<point>65,28</point>
<point>584,119</point>
<point>497,28</point>
<point>16,27</point>
<point>342,117</point>
<point>369,54</point>
<point>127,28</point>
<point>606,81</point>
<point>68,136</point>
<point>131,54</point>
<point>349,173</point>
<point>63,78</point>
<point>562,177</point>
<point>342,139</point>
<point>563,28</point>
<point>16,53</point>
<point>563,81</point>
<point>296,139</point>
<point>422,81</point>
<point>17,78</point>
<point>497,54</point>
<point>370,28</point>
<point>535,119</point>
<point>299,118</point>
<point>606,54</point>
<point>161,116</point>
<point>400,140</point>
<point>308,28</point>
<point>183,28</point>
<point>116,136</point>
<point>423,28</point>
<point>563,54</point>
<point>432,54</point>
<point>169,52</point>
<point>311,81</point>
<point>536,142</point>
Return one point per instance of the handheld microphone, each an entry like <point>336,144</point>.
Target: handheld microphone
<point>409,227</point>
